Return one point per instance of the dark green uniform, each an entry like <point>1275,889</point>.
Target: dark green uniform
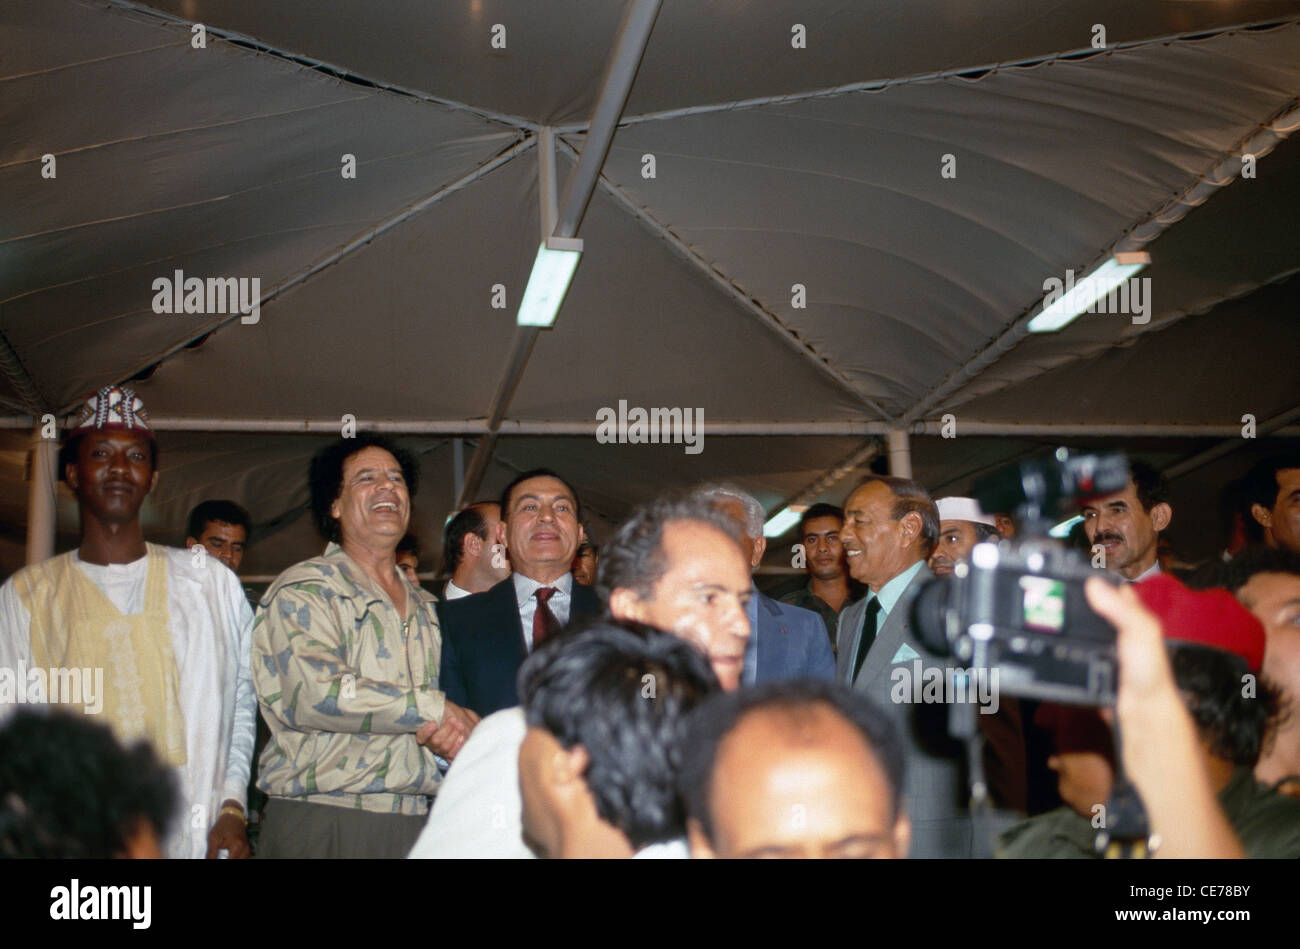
<point>805,598</point>
<point>1266,823</point>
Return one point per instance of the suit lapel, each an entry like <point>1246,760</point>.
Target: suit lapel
<point>896,630</point>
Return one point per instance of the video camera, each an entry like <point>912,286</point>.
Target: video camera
<point>1018,606</point>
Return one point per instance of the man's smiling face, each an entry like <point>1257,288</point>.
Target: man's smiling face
<point>541,528</point>
<point>373,507</point>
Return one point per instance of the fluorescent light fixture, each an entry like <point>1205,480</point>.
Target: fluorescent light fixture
<point>557,259</point>
<point>781,522</point>
<point>1076,297</point>
<point>1063,529</point>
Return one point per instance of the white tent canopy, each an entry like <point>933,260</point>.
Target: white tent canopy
<point>774,166</point>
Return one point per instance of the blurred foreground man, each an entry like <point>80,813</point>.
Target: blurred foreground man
<point>606,708</point>
<point>345,661</point>
<point>164,631</point>
<point>1214,644</point>
<point>794,769</point>
<point>675,565</point>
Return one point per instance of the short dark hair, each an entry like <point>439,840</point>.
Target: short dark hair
<point>634,557</point>
<point>69,450</point>
<point>537,473</point>
<point>985,532</point>
<point>225,512</point>
<point>909,496</point>
<point>69,790</point>
<point>409,544</point>
<point>468,521</point>
<point>326,475</point>
<point>1260,486</point>
<point>1151,486</point>
<point>717,718</point>
<point>1236,573</point>
<point>820,509</point>
<point>1234,725</point>
<point>589,688</point>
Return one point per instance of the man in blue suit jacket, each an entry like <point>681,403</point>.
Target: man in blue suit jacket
<point>789,642</point>
<point>486,636</point>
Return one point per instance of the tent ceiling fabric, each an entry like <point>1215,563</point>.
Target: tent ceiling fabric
<point>226,161</point>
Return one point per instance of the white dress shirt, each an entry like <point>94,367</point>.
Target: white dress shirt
<point>559,602</point>
<point>453,592</point>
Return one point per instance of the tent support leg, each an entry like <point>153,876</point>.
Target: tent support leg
<point>40,497</point>
<point>900,453</point>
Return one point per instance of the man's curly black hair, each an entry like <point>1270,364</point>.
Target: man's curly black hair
<point>327,475</point>
<point>68,790</point>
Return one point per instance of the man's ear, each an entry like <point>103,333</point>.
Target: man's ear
<point>153,482</point>
<point>569,766</point>
<point>1161,515</point>
<point>190,543</point>
<point>1262,515</point>
<point>912,524</point>
<point>700,847</point>
<point>471,546</point>
<point>626,604</point>
<point>501,534</point>
<point>70,476</point>
<point>760,548</point>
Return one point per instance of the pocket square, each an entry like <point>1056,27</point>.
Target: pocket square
<point>905,654</point>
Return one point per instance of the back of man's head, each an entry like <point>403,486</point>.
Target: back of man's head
<point>468,521</point>
<point>69,790</point>
<point>622,692</point>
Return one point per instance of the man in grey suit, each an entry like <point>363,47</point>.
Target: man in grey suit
<point>789,642</point>
<point>890,528</point>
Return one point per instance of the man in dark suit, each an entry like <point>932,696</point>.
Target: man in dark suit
<point>788,642</point>
<point>890,528</point>
<point>485,637</point>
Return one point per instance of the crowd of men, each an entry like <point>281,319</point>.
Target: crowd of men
<point>643,698</point>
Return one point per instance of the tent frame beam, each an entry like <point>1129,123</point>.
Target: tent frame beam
<point>625,59</point>
<point>1278,426</point>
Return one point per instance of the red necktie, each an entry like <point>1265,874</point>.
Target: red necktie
<point>545,625</point>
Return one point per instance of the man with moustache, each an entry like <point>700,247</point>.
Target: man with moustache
<point>486,636</point>
<point>830,588</point>
<point>675,564</point>
<point>170,628</point>
<point>1127,524</point>
<point>1272,490</point>
<point>345,662</point>
<point>473,551</point>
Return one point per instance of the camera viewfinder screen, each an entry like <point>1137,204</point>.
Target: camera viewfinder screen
<point>1044,603</point>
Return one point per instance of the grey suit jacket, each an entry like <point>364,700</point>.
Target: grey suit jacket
<point>935,786</point>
